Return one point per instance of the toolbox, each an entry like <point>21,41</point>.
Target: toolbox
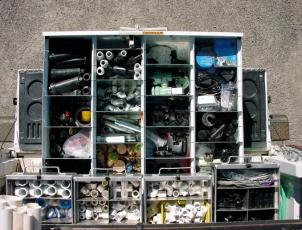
<point>136,120</point>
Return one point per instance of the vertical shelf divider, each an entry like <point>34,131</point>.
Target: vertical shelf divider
<point>192,106</point>
<point>93,104</point>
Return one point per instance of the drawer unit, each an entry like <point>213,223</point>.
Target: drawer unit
<point>107,200</point>
<point>178,199</point>
<point>246,192</point>
<point>53,192</point>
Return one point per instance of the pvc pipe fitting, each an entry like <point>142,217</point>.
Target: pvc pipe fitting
<point>135,194</point>
<point>41,202</point>
<point>89,213</point>
<point>184,192</point>
<point>82,216</point>
<point>94,202</point>
<point>169,191</point>
<point>50,190</point>
<point>21,183</point>
<point>81,203</point>
<point>104,63</point>
<point>94,193</point>
<point>100,188</point>
<point>135,184</point>
<point>189,207</point>
<point>122,53</point>
<point>137,67</point>
<point>98,209</point>
<point>35,192</point>
<point>82,208</point>
<point>162,194</point>
<point>91,186</point>
<point>35,184</point>
<point>197,205</point>
<point>95,216</point>
<point>103,215</point>
<point>109,55</point>
<point>88,193</point>
<point>102,202</point>
<point>175,193</point>
<point>137,76</point>
<point>133,216</point>
<point>100,55</point>
<point>153,193</point>
<point>64,193</point>
<point>184,185</point>
<point>120,215</point>
<point>64,184</point>
<point>100,71</point>
<point>176,185</point>
<point>21,192</point>
<point>105,194</point>
<point>84,190</point>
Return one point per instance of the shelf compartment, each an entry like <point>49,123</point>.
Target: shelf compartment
<point>119,158</point>
<point>168,111</point>
<point>232,199</point>
<point>216,127</point>
<point>119,96</point>
<point>79,166</point>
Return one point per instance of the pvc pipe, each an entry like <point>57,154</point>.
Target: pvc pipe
<point>137,76</point>
<point>175,193</point>
<point>21,192</point>
<point>35,184</point>
<point>18,219</point>
<point>84,190</point>
<point>135,184</point>
<point>64,193</point>
<point>100,71</point>
<point>153,193</point>
<point>162,194</point>
<point>28,222</point>
<point>120,216</point>
<point>98,209</point>
<point>6,218</point>
<point>82,216</point>
<point>91,186</point>
<point>36,213</point>
<point>135,194</point>
<point>50,182</point>
<point>184,192</point>
<point>64,184</point>
<point>100,55</point>
<point>109,55</point>
<point>94,193</point>
<point>122,53</point>
<point>102,202</point>
<point>137,67</point>
<point>103,215</point>
<point>21,183</point>
<point>105,208</point>
<point>104,63</point>
<point>50,190</point>
<point>35,192</point>
<point>82,208</point>
<point>94,202</point>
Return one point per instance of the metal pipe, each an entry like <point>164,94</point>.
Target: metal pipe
<point>117,127</point>
<point>62,74</point>
<point>65,86</point>
<point>128,126</point>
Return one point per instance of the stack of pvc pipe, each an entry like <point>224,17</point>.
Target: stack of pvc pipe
<point>14,216</point>
<point>95,190</point>
<point>126,212</point>
<point>176,189</point>
<point>97,210</point>
<point>192,212</point>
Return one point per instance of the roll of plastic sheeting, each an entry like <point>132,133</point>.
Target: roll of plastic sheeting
<point>35,211</point>
<point>28,222</point>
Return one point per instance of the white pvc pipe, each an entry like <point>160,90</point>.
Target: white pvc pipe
<point>102,202</point>
<point>137,76</point>
<point>109,55</point>
<point>82,216</point>
<point>94,202</point>
<point>64,184</point>
<point>64,193</point>
<point>6,218</point>
<point>35,184</point>
<point>100,55</point>
<point>105,194</point>
<point>100,188</point>
<point>104,63</point>
<point>18,219</point>
<point>21,192</point>
<point>175,193</point>
<point>21,183</point>
<point>137,67</point>
<point>36,213</point>
<point>50,190</point>
<point>135,194</point>
<point>100,71</point>
<point>35,192</point>
<point>28,222</point>
<point>105,208</point>
<point>122,53</point>
<point>82,208</point>
<point>89,214</point>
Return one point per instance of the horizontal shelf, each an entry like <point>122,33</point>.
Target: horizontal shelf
<point>169,96</point>
<point>217,142</point>
<point>66,158</point>
<point>91,199</point>
<point>46,198</point>
<point>225,66</point>
<point>118,112</point>
<point>169,158</point>
<point>67,127</point>
<point>167,126</point>
<point>218,111</point>
<point>231,210</point>
<point>57,221</point>
<point>59,96</point>
<point>134,49</point>
<point>177,198</point>
<point>129,199</point>
<point>169,66</point>
<point>122,79</point>
<point>92,222</point>
<point>264,187</point>
<point>261,209</point>
<point>110,143</point>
